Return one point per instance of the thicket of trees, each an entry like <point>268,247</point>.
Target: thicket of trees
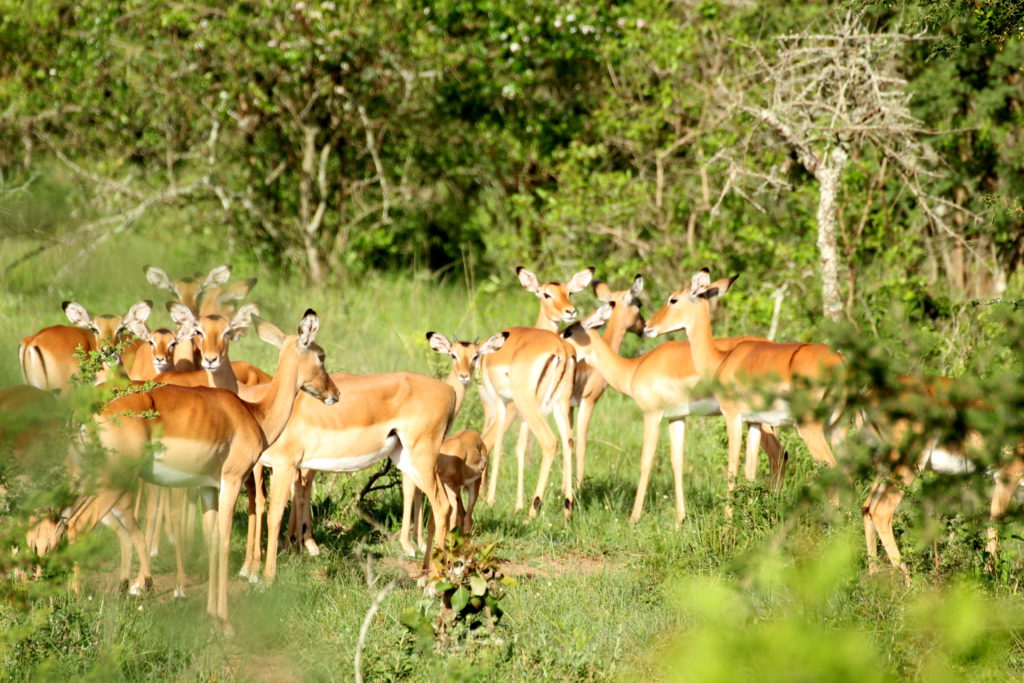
<point>876,145</point>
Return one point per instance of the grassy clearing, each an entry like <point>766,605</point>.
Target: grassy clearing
<point>777,593</point>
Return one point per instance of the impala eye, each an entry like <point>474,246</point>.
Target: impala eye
<point>673,300</point>
<point>547,295</point>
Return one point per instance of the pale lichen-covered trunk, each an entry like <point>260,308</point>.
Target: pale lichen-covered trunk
<point>828,175</point>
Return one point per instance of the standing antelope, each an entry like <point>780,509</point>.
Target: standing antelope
<point>754,380</point>
<point>48,357</point>
<point>900,468</point>
<point>205,437</point>
<point>663,382</point>
<point>535,371</point>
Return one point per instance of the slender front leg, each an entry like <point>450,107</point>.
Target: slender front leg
<point>586,411</point>
<point>652,422</point>
<point>564,424</point>
<point>753,451</point>
<point>280,483</point>
<point>408,502</point>
<point>677,439</point>
<point>734,428</point>
<point>498,425</point>
<point>209,496</point>
<point>229,488</point>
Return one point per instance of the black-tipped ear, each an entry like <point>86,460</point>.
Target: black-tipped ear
<point>64,306</point>
<point>611,304</point>
<point>505,334</point>
<point>309,311</point>
<point>705,270</point>
<point>430,334</point>
<point>733,279</point>
<point>519,268</point>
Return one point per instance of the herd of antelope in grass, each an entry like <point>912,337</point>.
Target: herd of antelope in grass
<point>193,419</point>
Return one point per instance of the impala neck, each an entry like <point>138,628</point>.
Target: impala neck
<point>615,369</point>
<point>223,377</point>
<point>452,380</point>
<point>615,331</point>
<point>274,409</point>
<point>544,324</point>
<point>706,356</point>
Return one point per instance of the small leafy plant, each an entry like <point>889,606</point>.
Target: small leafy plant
<point>470,586</point>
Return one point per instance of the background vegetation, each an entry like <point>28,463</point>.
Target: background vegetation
<point>389,165</point>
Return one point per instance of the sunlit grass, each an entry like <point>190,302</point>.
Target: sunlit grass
<point>777,593</point>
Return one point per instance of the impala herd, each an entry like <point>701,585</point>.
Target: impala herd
<point>191,418</point>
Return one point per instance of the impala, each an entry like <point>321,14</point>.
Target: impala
<point>754,380</point>
<point>48,357</point>
<point>400,415</point>
<point>535,371</point>
<point>465,356</point>
<point>663,382</point>
<point>205,437</point>
<point>590,385</point>
<point>949,457</point>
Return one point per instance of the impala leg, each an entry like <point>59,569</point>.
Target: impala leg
<point>1007,480</point>
<point>305,530</point>
<point>472,492</point>
<point>677,440</point>
<point>408,515</point>
<point>209,499</point>
<point>497,445</point>
<point>152,494</point>
<point>250,532</point>
<point>522,444</point>
<point>753,451</point>
<point>176,502</point>
<point>870,534</point>
<point>280,483</point>
<point>229,489</point>
<point>586,412</point>
<point>777,455</point>
<point>813,434</point>
<point>652,422</point>
<point>734,428</point>
<point>259,475</point>
<point>417,518</point>
<point>534,420</point>
<point>881,508</point>
<point>563,422</point>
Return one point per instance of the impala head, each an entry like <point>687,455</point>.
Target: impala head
<point>161,341</point>
<point>211,334</point>
<point>188,290</point>
<point>217,300</point>
<point>311,376</point>
<point>684,306</point>
<point>45,535</point>
<point>465,354</point>
<point>107,328</point>
<point>627,303</point>
<point>555,304</point>
<point>580,334</point>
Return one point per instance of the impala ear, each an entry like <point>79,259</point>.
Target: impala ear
<point>637,287</point>
<point>700,280</point>
<point>77,314</point>
<point>602,291</point>
<point>493,343</point>
<point>184,318</point>
<point>438,342</point>
<point>236,290</point>
<point>308,327</point>
<point>135,319</point>
<point>268,332</point>
<point>718,287</point>
<point>216,277</point>
<point>159,278</point>
<point>598,317</point>
<point>242,320</point>
<point>580,280</point>
<point>528,280</point>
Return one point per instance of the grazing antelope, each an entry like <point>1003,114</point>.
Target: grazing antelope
<point>208,438</point>
<point>900,467</point>
<point>535,371</point>
<point>663,382</point>
<point>754,380</point>
<point>48,357</point>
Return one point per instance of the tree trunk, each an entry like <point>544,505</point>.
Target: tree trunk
<point>307,225</point>
<point>828,175</point>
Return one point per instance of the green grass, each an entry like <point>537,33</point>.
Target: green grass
<point>779,592</point>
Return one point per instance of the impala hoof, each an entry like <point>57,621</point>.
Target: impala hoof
<point>179,593</point>
<point>312,548</point>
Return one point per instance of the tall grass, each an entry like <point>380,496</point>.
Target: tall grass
<point>779,592</point>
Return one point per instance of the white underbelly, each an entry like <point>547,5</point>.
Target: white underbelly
<point>701,407</point>
<point>779,415</point>
<point>162,475</point>
<point>345,460</point>
<point>949,463</point>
